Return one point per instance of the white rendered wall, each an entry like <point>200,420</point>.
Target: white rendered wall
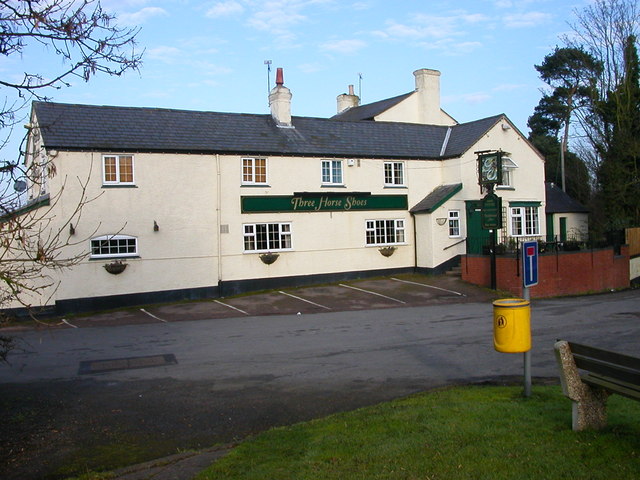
<point>175,191</point>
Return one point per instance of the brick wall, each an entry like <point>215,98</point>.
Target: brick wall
<point>561,273</point>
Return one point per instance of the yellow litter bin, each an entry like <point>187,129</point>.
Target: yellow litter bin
<point>512,325</point>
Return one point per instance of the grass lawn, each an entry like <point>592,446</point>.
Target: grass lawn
<point>474,432</point>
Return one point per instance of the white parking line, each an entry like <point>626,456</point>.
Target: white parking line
<point>372,293</point>
<point>153,316</point>
<point>428,286</point>
<point>231,306</point>
<point>304,300</point>
<point>64,320</point>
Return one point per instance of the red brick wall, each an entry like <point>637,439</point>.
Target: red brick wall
<point>561,273</point>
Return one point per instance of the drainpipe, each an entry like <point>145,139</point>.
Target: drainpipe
<point>219,219</point>
<point>415,244</point>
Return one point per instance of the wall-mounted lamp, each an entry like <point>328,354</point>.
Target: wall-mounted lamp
<point>155,226</point>
<point>441,221</point>
<point>72,231</point>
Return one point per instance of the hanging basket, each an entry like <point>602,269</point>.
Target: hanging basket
<point>387,251</point>
<point>115,268</point>
<point>269,258</point>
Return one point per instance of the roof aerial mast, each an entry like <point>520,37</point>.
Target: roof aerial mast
<point>268,64</point>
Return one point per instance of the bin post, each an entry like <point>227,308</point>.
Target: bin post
<point>527,355</point>
<point>512,331</point>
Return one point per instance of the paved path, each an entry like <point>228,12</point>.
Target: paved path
<point>216,381</point>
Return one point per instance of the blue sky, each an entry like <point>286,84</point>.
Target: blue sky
<point>209,55</point>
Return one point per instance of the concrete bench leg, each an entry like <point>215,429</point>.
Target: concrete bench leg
<point>589,410</point>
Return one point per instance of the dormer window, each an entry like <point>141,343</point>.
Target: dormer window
<point>508,169</point>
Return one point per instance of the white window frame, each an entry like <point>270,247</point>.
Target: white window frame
<point>388,231</point>
<point>120,244</point>
<point>525,221</point>
<point>118,180</point>
<point>391,177</point>
<point>250,164</point>
<point>508,168</point>
<point>454,224</point>
<point>252,237</point>
<point>331,179</point>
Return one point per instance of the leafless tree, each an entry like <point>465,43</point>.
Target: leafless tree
<point>602,29</point>
<point>88,41</point>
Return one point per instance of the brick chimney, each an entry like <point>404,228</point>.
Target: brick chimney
<point>280,101</point>
<point>346,101</point>
<point>428,89</point>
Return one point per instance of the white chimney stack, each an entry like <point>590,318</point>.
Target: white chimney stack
<point>346,101</point>
<point>428,89</point>
<point>280,101</point>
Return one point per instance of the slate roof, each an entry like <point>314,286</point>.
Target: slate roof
<point>557,201</point>
<point>370,110</point>
<point>134,129</point>
<point>437,197</point>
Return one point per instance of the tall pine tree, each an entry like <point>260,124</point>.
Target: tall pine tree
<point>570,72</point>
<point>618,176</point>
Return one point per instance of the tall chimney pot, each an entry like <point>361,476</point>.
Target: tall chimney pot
<point>428,90</point>
<point>346,101</point>
<point>280,101</point>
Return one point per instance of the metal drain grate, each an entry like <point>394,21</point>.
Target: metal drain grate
<point>100,366</point>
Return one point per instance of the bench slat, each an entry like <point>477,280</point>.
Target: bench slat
<point>607,369</point>
<point>605,355</point>
<point>615,386</point>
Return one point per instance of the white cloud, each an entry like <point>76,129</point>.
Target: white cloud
<point>208,68</point>
<point>186,59</point>
<point>424,26</point>
<point>475,98</point>
<point>518,3</point>
<point>360,6</point>
<point>450,47</point>
<point>225,9</point>
<point>469,98</point>
<point>140,16</point>
<point>280,17</point>
<point>343,46</point>
<point>163,53</point>
<point>509,87</point>
<point>310,67</point>
<point>528,19</point>
<point>277,16</point>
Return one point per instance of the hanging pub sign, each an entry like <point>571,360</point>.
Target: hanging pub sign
<point>489,168</point>
<point>491,212</point>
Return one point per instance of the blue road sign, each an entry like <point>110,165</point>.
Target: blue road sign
<point>530,263</point>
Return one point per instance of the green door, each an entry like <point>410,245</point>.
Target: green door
<point>550,233</point>
<point>477,237</point>
<point>563,229</point>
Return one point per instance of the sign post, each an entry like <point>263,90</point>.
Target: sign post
<point>490,175</point>
<point>529,279</point>
<point>529,264</point>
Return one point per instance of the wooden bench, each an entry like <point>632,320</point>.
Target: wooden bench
<point>605,373</point>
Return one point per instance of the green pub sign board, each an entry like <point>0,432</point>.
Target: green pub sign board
<point>322,203</point>
<point>491,208</point>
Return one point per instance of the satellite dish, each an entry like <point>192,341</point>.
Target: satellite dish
<point>20,186</point>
